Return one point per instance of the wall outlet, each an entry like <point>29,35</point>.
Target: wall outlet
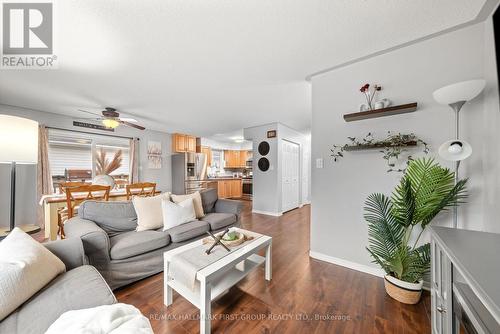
<point>319,163</point>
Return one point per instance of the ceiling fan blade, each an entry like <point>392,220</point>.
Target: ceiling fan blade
<point>89,112</point>
<point>132,125</point>
<point>131,120</point>
<point>88,119</point>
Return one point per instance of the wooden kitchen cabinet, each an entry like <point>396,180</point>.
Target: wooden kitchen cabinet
<point>191,143</point>
<point>243,158</point>
<point>183,143</point>
<point>236,188</point>
<point>221,189</point>
<point>235,158</point>
<point>178,142</point>
<point>230,188</point>
<point>208,151</point>
<point>229,158</point>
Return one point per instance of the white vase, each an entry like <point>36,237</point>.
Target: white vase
<point>379,105</point>
<point>386,102</point>
<point>363,107</point>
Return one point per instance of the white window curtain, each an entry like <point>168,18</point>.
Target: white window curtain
<point>134,160</point>
<point>44,177</point>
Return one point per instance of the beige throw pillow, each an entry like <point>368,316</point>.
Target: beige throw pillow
<point>26,266</point>
<point>148,210</point>
<point>198,207</point>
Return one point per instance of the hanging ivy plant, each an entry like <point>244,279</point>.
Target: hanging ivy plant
<point>392,147</point>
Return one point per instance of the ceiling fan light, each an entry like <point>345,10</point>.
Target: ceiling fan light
<point>110,123</point>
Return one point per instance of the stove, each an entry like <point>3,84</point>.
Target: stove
<point>247,187</point>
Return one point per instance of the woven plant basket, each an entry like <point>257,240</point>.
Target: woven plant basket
<point>404,292</point>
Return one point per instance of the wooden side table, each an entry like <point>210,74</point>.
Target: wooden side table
<point>30,229</point>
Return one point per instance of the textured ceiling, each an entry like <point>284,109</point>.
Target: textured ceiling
<point>207,67</point>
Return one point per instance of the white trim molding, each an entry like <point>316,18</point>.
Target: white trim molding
<point>269,213</point>
<point>355,266</point>
<point>348,264</point>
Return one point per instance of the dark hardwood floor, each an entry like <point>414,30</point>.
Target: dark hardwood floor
<point>304,296</point>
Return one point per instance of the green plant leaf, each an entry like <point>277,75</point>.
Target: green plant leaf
<point>425,189</point>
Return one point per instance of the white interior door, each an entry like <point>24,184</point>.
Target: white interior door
<point>290,175</point>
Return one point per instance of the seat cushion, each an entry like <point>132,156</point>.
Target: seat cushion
<point>188,231</point>
<point>112,217</point>
<point>219,220</point>
<point>134,243</point>
<point>79,288</point>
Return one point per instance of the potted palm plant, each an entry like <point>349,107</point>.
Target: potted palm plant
<point>425,189</point>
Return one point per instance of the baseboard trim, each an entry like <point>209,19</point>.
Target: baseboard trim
<point>348,264</point>
<point>355,266</point>
<point>269,213</point>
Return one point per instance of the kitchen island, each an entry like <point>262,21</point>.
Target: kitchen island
<point>229,187</point>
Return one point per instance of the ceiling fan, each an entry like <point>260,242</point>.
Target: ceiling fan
<point>110,118</point>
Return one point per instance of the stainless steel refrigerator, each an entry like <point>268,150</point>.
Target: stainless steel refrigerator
<point>189,173</point>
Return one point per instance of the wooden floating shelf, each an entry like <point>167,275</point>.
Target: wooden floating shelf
<point>378,145</point>
<point>389,111</point>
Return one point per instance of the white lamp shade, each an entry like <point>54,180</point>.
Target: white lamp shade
<point>18,140</point>
<point>460,91</point>
<point>455,150</point>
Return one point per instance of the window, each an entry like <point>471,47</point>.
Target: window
<point>76,156</point>
<point>217,160</point>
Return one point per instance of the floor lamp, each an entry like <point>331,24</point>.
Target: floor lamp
<point>456,95</point>
<point>18,145</point>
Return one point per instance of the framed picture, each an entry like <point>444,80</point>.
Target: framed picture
<point>154,155</point>
<point>271,134</point>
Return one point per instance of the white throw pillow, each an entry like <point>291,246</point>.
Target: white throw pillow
<point>198,205</point>
<point>26,266</point>
<point>148,210</point>
<point>112,319</point>
<point>177,214</point>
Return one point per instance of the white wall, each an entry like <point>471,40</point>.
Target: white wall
<point>486,131</point>
<point>266,189</point>
<point>267,185</point>
<point>407,75</point>
<point>26,185</point>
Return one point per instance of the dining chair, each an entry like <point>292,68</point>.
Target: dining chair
<point>68,184</point>
<point>144,189</point>
<point>62,213</point>
<point>75,196</point>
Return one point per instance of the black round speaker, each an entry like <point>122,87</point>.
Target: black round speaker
<point>263,164</point>
<point>264,148</point>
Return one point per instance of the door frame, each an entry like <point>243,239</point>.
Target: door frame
<point>299,177</point>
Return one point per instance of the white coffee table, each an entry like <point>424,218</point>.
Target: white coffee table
<point>218,277</point>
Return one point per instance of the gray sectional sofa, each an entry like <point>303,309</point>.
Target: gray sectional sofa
<point>81,286</point>
<point>123,255</point>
